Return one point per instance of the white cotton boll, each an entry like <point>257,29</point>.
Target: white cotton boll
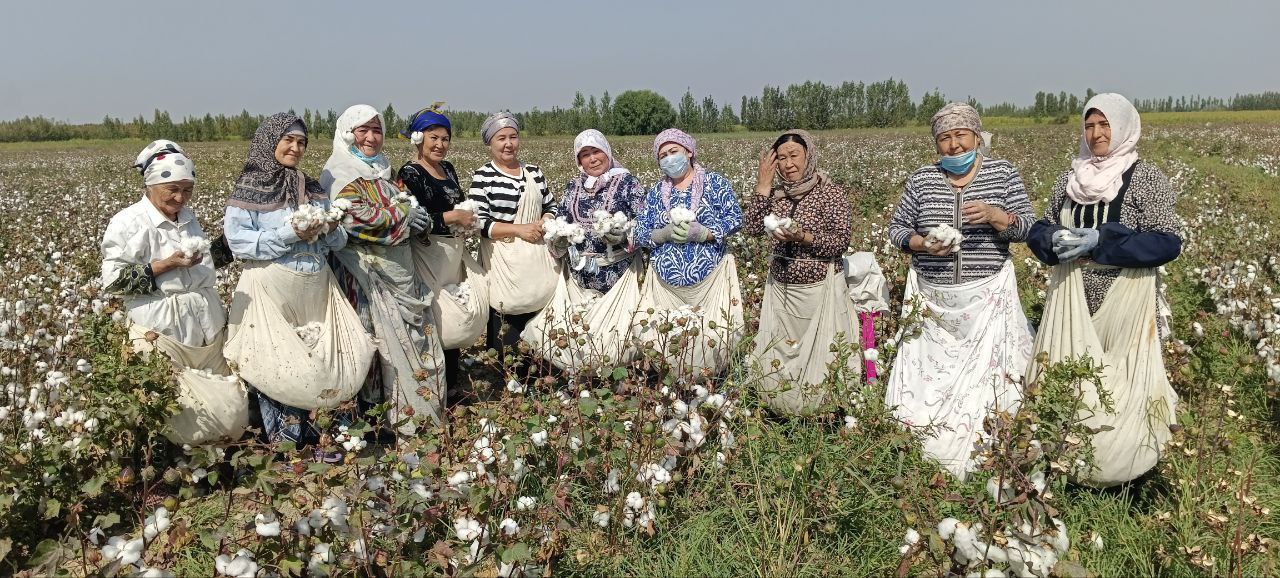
<point>539,438</point>
<point>308,216</point>
<point>310,333</point>
<point>944,235</point>
<point>774,223</point>
<point>267,524</point>
<point>193,245</point>
<point>559,228</point>
<point>467,529</point>
<point>1095,541</point>
<point>871,354</point>
<point>947,528</point>
<point>525,503</point>
<point>601,518</point>
<point>509,527</point>
<point>681,215</point>
<point>514,386</point>
<point>83,366</point>
<point>416,137</point>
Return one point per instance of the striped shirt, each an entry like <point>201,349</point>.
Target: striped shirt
<point>929,201</point>
<point>498,194</point>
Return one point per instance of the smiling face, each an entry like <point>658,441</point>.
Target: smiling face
<point>1097,133</point>
<point>368,137</point>
<point>170,198</point>
<point>956,142</point>
<point>792,160</point>
<point>593,161</point>
<point>290,149</point>
<point>504,147</point>
<point>435,143</point>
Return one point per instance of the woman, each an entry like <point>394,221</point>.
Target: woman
<point>378,274</point>
<point>1109,224</point>
<point>444,264</point>
<point>293,335</point>
<point>805,304</point>
<point>973,341</point>
<point>156,256</point>
<point>687,217</point>
<point>602,285</point>
<point>512,201</point>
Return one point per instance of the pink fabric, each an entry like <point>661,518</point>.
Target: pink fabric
<point>677,136</point>
<point>869,340</point>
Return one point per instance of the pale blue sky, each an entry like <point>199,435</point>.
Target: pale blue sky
<point>77,60</point>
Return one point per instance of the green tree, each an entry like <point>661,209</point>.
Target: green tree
<point>930,104</point>
<point>641,112</point>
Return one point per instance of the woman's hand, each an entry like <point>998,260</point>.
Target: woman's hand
<point>178,260</point>
<point>768,168</point>
<point>458,218</point>
<point>938,250</point>
<point>310,234</point>
<point>976,213</point>
<point>797,236</point>
<point>530,233</point>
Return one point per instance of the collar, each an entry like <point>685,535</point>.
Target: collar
<point>158,220</point>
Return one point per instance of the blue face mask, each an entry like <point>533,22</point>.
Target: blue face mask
<point>958,164</point>
<point>378,158</point>
<point>674,165</point>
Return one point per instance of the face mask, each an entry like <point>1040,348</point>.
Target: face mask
<point>958,164</point>
<point>674,165</point>
<point>367,159</point>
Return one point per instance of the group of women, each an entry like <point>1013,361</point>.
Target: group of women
<point>361,284</point>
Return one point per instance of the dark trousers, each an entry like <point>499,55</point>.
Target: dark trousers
<point>502,341</point>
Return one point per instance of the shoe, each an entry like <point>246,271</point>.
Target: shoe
<point>328,457</point>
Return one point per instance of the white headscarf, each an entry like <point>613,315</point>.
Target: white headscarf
<point>344,166</point>
<point>1096,179</point>
<point>595,139</point>
<point>163,161</point>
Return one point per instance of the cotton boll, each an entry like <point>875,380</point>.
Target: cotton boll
<point>310,333</point>
<point>947,528</point>
<point>308,216</point>
<point>680,215</point>
<point>944,235</point>
<point>193,245</point>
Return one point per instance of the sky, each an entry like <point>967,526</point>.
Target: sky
<point>78,60</point>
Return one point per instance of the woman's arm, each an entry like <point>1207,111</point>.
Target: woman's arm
<point>1157,240</point>
<point>370,220</point>
<point>248,241</point>
<point>902,226</point>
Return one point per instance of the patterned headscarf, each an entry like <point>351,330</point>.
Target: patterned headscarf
<point>163,161</point>
<point>956,115</point>
<point>423,119</point>
<point>497,122</point>
<point>595,139</point>
<point>679,137</point>
<point>1096,179</point>
<point>810,179</point>
<point>266,185</point>
<point>343,166</point>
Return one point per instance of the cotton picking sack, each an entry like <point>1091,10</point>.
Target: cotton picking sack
<point>868,288</point>
<point>215,404</point>
<point>1122,337</point>
<point>602,322</point>
<point>965,362</point>
<point>712,307</point>
<point>798,325</point>
<point>271,305</point>
<point>522,275</point>
<point>446,262</point>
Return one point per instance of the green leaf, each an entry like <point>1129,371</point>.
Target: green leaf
<point>619,373</point>
<point>291,566</point>
<point>93,486</point>
<point>51,508</point>
<point>107,520</point>
<point>46,551</point>
<point>588,406</point>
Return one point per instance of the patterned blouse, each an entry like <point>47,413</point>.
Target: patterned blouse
<point>624,194</point>
<point>375,215</point>
<point>928,201</point>
<point>436,196</point>
<point>1144,232</point>
<point>825,213</point>
<point>689,263</point>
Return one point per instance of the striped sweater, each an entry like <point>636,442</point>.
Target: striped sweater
<point>929,201</point>
<point>498,194</point>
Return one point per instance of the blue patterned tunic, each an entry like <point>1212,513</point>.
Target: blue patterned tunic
<point>689,263</point>
<point>623,193</point>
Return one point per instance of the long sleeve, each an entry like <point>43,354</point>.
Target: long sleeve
<point>1019,205</point>
<point>483,213</point>
<point>124,262</point>
<point>248,241</point>
<point>757,207</point>
<point>377,221</point>
<point>549,206</point>
<point>725,203</point>
<point>1155,239</point>
<point>1040,237</point>
<point>903,224</point>
<point>649,219</point>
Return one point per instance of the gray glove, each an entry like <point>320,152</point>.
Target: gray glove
<point>692,233</point>
<point>419,220</point>
<point>1070,247</point>
<point>663,235</point>
<point>612,239</point>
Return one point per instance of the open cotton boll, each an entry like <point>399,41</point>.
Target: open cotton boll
<point>403,197</point>
<point>193,245</point>
<point>469,206</point>
<point>308,216</point>
<point>559,228</point>
<point>944,235</point>
<point>681,215</point>
<point>310,333</point>
<point>773,223</point>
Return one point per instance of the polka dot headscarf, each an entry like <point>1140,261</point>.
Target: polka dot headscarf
<point>163,161</point>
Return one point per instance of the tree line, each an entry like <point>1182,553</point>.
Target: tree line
<point>810,105</point>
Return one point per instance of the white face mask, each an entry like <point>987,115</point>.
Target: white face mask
<point>674,165</point>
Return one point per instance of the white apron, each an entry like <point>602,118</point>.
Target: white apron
<point>711,308</point>
<point>522,275</point>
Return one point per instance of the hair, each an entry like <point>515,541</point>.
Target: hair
<point>789,137</point>
<point>1093,110</point>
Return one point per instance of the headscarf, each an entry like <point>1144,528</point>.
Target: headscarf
<point>668,185</point>
<point>1096,179</point>
<point>679,137</point>
<point>424,119</point>
<point>595,139</point>
<point>810,179</point>
<point>956,115</point>
<point>163,161</point>
<point>265,184</point>
<point>497,122</point>
<point>344,166</point>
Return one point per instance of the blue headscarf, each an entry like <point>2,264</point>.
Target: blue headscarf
<point>427,118</point>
